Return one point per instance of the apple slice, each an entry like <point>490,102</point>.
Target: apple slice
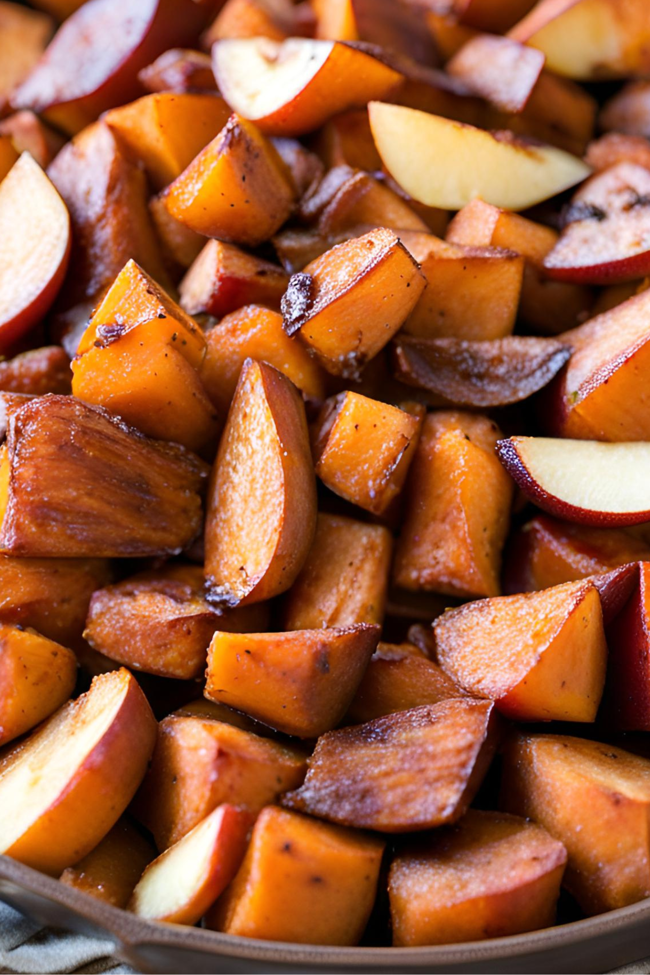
<point>450,163</point>
<point>179,69</point>
<point>606,237</point>
<point>585,481</point>
<point>294,87</point>
<point>187,878</point>
<point>498,69</point>
<point>35,235</point>
<point>63,788</point>
<point>479,374</point>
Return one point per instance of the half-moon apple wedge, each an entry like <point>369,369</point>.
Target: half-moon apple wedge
<point>584,481</point>
<point>449,163</point>
<point>65,786</point>
<point>293,87</point>
<point>34,248</point>
<point>606,237</point>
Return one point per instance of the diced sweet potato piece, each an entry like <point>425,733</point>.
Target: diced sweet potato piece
<point>593,798</point>
<point>37,372</point>
<point>8,155</point>
<point>180,245</point>
<point>411,770</point>
<point>473,292</point>
<point>262,503</point>
<point>251,18</point>
<point>200,707</point>
<point>113,868</point>
<point>93,61</point>
<point>488,876</point>
<point>363,449</point>
<point>24,35</point>
<point>224,278</point>
<point>364,201</point>
<point>183,882</point>
<point>29,134</point>
<point>300,682</point>
<point>348,303</point>
<point>629,110</point>
<point>237,188</point>
<point>613,148</point>
<point>179,69</point>
<point>540,656</point>
<point>396,25</point>
<point>59,8</point>
<point>77,482</point>
<point>495,16</point>
<point>160,622</point>
<point>67,784</point>
<point>347,140</point>
<point>626,703</point>
<point>305,167</point>
<point>139,358</point>
<point>321,193</point>
<point>301,881</point>
<point>37,676</point>
<point>106,195</point>
<point>166,131</point>
<point>457,509</point>
<point>345,577</point>
<point>449,35</point>
<point>547,552</point>
<point>559,112</point>
<point>399,678</point>
<point>200,763</point>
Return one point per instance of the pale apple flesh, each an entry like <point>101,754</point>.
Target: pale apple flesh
<point>583,481</point>
<point>450,163</point>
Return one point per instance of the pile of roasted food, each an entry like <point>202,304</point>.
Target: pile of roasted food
<point>325,473</point>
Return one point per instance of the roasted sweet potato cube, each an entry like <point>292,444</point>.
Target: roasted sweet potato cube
<point>166,131</point>
<point>139,358</point>
<point>301,881</point>
<point>547,306</point>
<point>261,513</point>
<point>559,111</point>
<point>224,278</point>
<point>363,449</point>
<point>24,35</point>
<point>37,372</point>
<point>106,195</point>
<point>626,703</point>
<point>300,682</point>
<point>180,245</point>
<point>200,707</point>
<point>113,868</point>
<point>179,69</point>
<point>29,134</point>
<point>8,155</point>
<point>547,552</point>
<point>348,303</point>
<point>345,577</point>
<point>364,201</point>
<point>593,798</point>
<point>488,876</point>
<point>408,771</point>
<point>472,293</point>
<point>200,763</point>
<point>37,676</point>
<point>613,148</point>
<point>457,509</point>
<point>77,482</point>
<point>399,27</point>
<point>251,18</point>
<point>161,622</point>
<point>540,656</point>
<point>347,140</point>
<point>305,167</point>
<point>237,188</point>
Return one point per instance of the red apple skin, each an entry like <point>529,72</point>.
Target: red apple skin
<point>615,588</point>
<point>615,272</point>
<point>626,704</point>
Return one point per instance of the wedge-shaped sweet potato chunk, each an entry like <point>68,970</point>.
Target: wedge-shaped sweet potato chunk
<point>106,196</point>
<point>93,61</point>
<point>558,111</point>
<point>237,188</point>
<point>347,140</point>
<point>399,27</point>
<point>293,87</point>
<point>64,786</point>
<point>29,134</point>
<point>626,704</point>
<point>593,798</point>
<point>301,881</point>
<point>200,763</point>
<point>488,876</point>
<point>184,881</point>
<point>363,449</point>
<point>180,246</point>
<point>629,110</point>
<point>540,656</point>
<point>345,577</point>
<point>139,358</point>
<point>179,69</point>
<point>348,303</point>
<point>407,771</point>
<point>363,201</point>
<point>77,482</point>
<point>161,622</point>
<point>37,676</point>
<point>166,131</point>
<point>472,293</point>
<point>24,35</point>
<point>496,16</point>
<point>457,509</point>
<point>39,371</point>
<point>262,504</point>
<point>251,18</point>
<point>547,306</point>
<point>111,871</point>
<point>479,374</point>
<point>399,678</point>
<point>547,552</point>
<point>224,278</point>
<point>300,682</point>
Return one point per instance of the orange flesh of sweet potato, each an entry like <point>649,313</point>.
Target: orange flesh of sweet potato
<point>626,703</point>
<point>8,155</point>
<point>301,880</point>
<point>179,69</point>
<point>411,770</point>
<point>224,278</point>
<point>363,201</point>
<point>251,18</point>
